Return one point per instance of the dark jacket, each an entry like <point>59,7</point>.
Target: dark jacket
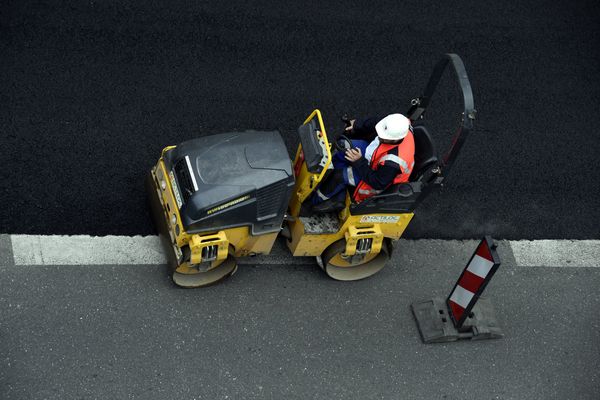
<point>364,129</point>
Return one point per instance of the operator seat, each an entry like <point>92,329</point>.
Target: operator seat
<point>425,154</point>
<point>404,197</point>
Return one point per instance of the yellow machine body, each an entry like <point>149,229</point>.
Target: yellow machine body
<point>353,228</point>
<point>200,259</point>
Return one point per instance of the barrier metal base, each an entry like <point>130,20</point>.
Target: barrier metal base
<point>436,326</point>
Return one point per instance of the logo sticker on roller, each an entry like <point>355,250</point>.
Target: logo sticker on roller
<point>381,219</point>
<point>175,189</point>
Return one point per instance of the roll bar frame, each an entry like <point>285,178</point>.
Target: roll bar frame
<point>420,104</point>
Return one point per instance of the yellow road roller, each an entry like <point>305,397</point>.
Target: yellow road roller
<point>220,197</point>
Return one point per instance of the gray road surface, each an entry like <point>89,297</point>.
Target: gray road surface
<point>286,331</point>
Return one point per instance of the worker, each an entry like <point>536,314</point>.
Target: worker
<point>383,154</point>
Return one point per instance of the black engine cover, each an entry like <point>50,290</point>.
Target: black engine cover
<point>242,178</point>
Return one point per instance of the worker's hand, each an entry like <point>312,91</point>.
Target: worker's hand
<point>350,127</point>
<point>353,154</point>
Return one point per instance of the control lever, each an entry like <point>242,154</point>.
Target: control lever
<point>342,142</point>
<point>346,120</point>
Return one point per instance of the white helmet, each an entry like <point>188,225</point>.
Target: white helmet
<point>393,127</point>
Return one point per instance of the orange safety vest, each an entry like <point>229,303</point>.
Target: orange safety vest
<point>402,154</point>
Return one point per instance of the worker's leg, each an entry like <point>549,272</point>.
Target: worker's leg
<point>351,175</point>
<point>332,188</point>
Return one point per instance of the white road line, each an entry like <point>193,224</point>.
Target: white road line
<point>146,250</point>
<point>86,250</point>
<point>557,253</point>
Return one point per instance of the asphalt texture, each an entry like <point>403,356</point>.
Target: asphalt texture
<point>287,331</point>
<point>90,92</point>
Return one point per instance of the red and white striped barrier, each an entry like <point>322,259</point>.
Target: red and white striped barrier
<point>460,316</point>
<point>472,281</point>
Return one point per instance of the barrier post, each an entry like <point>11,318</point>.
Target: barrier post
<point>463,314</point>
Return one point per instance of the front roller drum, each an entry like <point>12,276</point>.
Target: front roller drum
<point>183,276</point>
<point>343,268</point>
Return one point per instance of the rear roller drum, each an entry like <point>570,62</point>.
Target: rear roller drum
<point>352,268</point>
<point>189,277</point>
<point>183,275</point>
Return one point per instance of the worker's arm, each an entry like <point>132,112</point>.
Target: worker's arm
<point>364,128</point>
<point>379,179</point>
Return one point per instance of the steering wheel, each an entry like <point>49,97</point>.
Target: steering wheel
<point>342,143</point>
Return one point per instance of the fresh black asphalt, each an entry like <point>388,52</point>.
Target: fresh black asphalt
<point>91,91</point>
